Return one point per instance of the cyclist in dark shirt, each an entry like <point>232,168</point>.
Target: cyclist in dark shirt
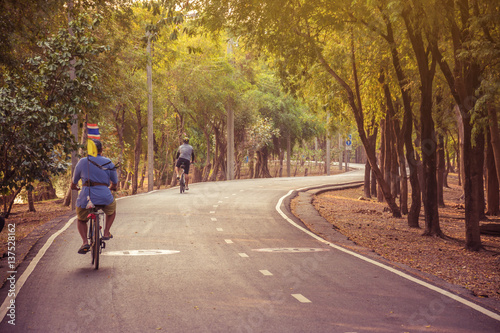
<point>185,155</point>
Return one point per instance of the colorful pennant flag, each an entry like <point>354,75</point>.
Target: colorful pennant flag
<point>93,131</point>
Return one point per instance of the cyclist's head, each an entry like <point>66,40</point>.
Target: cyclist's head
<point>98,145</point>
<point>185,140</point>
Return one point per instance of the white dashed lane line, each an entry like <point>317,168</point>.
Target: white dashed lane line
<point>266,272</point>
<point>212,212</point>
<point>228,241</point>
<point>301,298</point>
<point>243,255</point>
<point>220,229</point>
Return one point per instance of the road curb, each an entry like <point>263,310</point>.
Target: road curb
<point>307,215</point>
<point>24,246</point>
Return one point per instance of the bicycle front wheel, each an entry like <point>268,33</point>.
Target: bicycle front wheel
<point>96,246</point>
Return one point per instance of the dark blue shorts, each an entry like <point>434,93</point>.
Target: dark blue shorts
<point>186,163</point>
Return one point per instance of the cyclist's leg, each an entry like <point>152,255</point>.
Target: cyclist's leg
<point>110,211</point>
<point>177,165</point>
<point>82,223</point>
<point>188,164</point>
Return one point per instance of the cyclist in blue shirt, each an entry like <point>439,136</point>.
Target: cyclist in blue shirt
<point>99,178</point>
<point>185,155</point>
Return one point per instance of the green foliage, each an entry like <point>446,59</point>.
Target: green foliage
<point>37,108</point>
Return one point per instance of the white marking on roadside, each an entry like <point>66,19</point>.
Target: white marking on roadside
<point>212,212</point>
<point>220,201</point>
<point>457,298</point>
<point>219,229</point>
<point>228,241</point>
<point>234,194</point>
<point>301,298</point>
<point>243,255</point>
<point>213,219</point>
<point>226,197</point>
<point>215,206</point>
<point>138,252</point>
<point>266,272</point>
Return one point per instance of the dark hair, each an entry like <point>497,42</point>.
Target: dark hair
<point>98,144</point>
<point>185,140</point>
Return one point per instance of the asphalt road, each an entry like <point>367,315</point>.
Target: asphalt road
<point>221,258</point>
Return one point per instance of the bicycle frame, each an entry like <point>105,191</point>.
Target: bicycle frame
<point>95,235</point>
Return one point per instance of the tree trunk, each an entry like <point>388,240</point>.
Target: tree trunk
<point>143,172</point>
<point>262,169</point>
<point>479,160</point>
<point>31,202</point>
<point>426,73</point>
<point>383,147</point>
<point>448,166</point>
<point>441,170</point>
<point>398,147</point>
<point>495,136</point>
<point>137,149</point>
<point>9,201</point>
<point>367,184</point>
<point>492,187</point>
<point>356,108</point>
<point>407,126</point>
<point>119,114</point>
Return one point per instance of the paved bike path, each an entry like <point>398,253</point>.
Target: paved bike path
<point>232,263</point>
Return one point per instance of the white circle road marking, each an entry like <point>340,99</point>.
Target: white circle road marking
<point>291,249</point>
<point>139,252</point>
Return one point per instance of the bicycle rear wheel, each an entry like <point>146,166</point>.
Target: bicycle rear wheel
<point>91,239</point>
<point>96,246</point>
<point>182,184</point>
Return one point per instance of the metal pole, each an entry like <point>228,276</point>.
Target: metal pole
<point>328,155</point>
<point>230,126</point>
<point>150,117</point>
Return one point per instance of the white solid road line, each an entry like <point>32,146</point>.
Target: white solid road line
<point>20,282</point>
<point>457,298</point>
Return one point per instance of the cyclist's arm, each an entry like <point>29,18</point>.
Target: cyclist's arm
<point>178,154</point>
<point>192,157</point>
<point>113,179</point>
<point>76,176</point>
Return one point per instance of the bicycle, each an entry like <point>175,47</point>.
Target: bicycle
<point>182,180</point>
<point>95,234</point>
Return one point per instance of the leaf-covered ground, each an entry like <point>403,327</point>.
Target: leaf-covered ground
<point>367,224</point>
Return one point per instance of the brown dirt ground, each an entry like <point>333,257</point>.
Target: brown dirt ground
<point>365,222</point>
<point>26,221</point>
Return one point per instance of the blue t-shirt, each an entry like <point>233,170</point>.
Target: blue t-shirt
<point>100,194</point>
